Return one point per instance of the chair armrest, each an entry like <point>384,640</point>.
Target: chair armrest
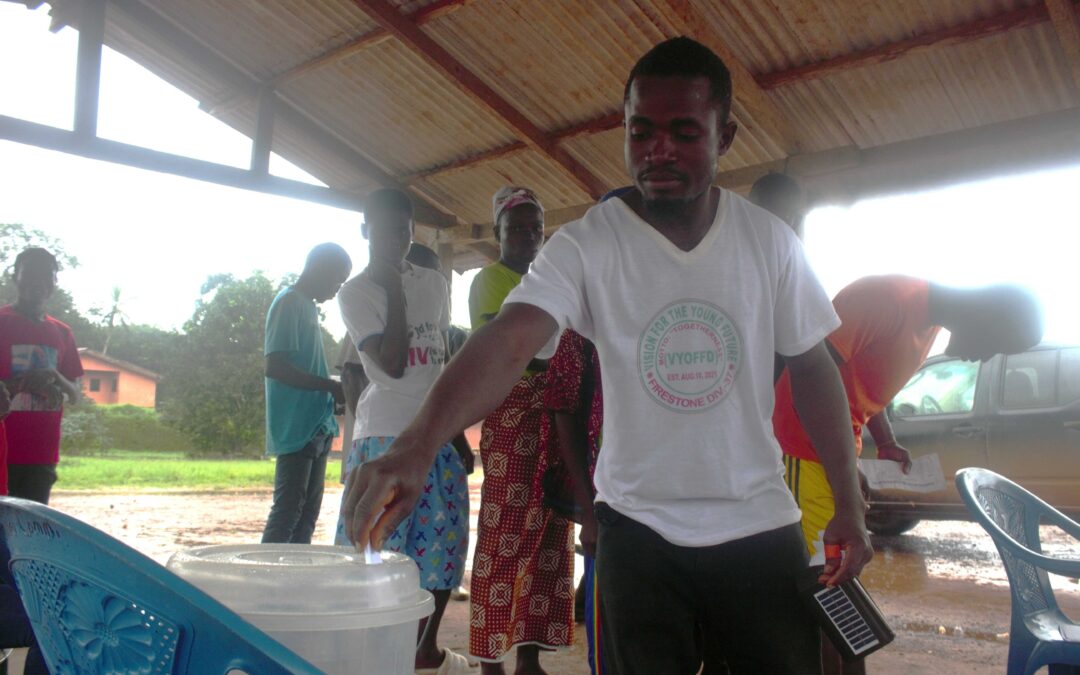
<point>1063,566</point>
<point>1054,517</point>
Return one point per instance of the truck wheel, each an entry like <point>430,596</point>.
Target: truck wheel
<point>889,525</point>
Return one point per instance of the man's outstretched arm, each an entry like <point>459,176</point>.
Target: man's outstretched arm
<point>818,395</point>
<point>382,492</point>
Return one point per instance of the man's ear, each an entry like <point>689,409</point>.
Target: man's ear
<point>727,137</point>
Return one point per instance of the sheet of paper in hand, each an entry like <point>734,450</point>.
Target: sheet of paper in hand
<point>885,474</point>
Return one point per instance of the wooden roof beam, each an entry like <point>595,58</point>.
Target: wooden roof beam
<point>443,62</point>
<point>966,32</point>
<point>1067,25</point>
<point>596,125</point>
<point>425,14</point>
<point>161,29</point>
<point>687,19</point>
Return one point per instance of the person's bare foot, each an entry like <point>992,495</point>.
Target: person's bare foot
<point>492,668</point>
<point>458,663</point>
<point>429,660</point>
<point>528,661</point>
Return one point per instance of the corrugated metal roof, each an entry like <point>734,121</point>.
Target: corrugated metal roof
<point>398,110</point>
<point>266,37</point>
<point>562,63</point>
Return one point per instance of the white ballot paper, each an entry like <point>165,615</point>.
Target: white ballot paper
<point>885,474</point>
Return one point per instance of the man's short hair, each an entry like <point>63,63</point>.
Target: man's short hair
<point>35,254</point>
<point>773,186</point>
<point>389,199</point>
<point>684,57</point>
<point>327,253</point>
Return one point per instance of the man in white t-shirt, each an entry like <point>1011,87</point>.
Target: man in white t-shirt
<point>397,315</point>
<point>686,290</point>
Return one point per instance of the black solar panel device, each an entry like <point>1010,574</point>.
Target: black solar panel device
<point>848,616</point>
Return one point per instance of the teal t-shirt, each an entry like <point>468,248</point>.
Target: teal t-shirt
<point>294,416</point>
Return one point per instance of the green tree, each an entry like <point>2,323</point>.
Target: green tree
<point>217,387</point>
<point>152,348</point>
<point>110,318</point>
<point>14,237</point>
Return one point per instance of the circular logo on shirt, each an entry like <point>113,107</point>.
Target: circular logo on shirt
<point>689,355</point>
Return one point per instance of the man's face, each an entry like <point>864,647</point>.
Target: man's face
<point>674,137</point>
<point>329,280</point>
<point>35,282</point>
<point>520,233</point>
<point>389,234</point>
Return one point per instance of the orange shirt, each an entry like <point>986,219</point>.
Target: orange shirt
<point>884,336</point>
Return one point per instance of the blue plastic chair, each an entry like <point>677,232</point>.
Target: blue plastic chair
<point>1012,515</point>
<point>99,606</point>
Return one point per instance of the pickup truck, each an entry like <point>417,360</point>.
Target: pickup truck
<point>1018,415</point>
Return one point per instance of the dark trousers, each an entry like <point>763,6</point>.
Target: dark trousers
<point>665,607</point>
<point>31,481</point>
<point>298,490</point>
<point>15,628</point>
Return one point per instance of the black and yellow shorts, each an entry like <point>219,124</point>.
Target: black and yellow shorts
<point>807,482</point>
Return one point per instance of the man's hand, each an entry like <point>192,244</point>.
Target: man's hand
<point>385,274</point>
<point>468,459</point>
<point>847,530</point>
<point>381,493</point>
<point>897,453</point>
<point>588,531</point>
<point>338,392</point>
<point>37,381</point>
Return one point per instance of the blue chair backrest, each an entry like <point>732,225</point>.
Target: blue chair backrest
<point>99,606</point>
<point>1011,516</point>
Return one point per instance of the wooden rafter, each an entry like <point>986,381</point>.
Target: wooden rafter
<point>1067,25</point>
<point>966,32</point>
<point>596,125</point>
<point>446,64</point>
<point>358,44</point>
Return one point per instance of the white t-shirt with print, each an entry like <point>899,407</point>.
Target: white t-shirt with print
<point>388,405</point>
<point>686,342</point>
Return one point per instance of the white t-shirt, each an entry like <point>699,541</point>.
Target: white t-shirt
<point>686,342</point>
<point>388,405</point>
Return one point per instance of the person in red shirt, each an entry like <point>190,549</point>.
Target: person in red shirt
<point>888,326</point>
<point>40,366</point>
<point>15,628</point>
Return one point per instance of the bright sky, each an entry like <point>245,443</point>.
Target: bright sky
<point>158,237</point>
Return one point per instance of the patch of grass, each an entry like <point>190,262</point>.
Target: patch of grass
<point>119,469</point>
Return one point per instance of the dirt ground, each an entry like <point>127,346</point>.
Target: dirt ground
<point>941,585</point>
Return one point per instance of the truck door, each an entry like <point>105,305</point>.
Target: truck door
<point>1034,433</point>
<point>941,410</point>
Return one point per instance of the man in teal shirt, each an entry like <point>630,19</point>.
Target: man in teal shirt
<point>300,396</point>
